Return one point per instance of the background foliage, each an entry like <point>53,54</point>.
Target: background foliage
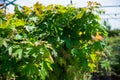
<point>114,45</point>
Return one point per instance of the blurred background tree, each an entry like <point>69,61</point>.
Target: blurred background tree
<point>113,42</point>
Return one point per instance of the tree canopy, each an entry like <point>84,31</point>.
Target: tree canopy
<point>51,42</point>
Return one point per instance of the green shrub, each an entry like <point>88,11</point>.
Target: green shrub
<point>51,42</point>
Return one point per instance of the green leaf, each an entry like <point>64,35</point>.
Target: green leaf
<point>10,50</point>
<point>75,52</point>
<point>43,71</point>
<point>48,64</point>
<point>18,37</point>
<point>34,50</point>
<point>92,66</point>
<point>19,22</point>
<point>68,43</point>
<point>18,54</point>
<point>30,28</point>
<point>80,15</point>
<point>30,70</point>
<point>33,19</point>
<point>1,42</point>
<point>98,45</point>
<point>62,61</point>
<point>105,64</point>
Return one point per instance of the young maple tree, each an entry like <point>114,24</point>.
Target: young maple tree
<point>51,42</point>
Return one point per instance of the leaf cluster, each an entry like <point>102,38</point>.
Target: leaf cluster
<point>51,42</point>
